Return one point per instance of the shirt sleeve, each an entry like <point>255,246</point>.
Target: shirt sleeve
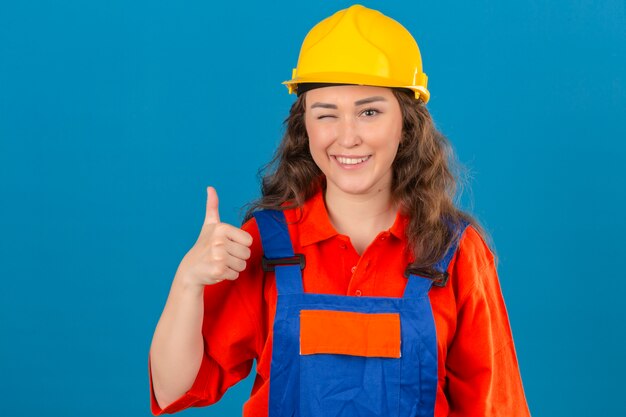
<point>230,329</point>
<point>483,377</point>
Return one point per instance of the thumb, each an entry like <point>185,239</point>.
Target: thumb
<point>212,213</point>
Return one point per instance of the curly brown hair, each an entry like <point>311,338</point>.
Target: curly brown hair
<point>424,184</point>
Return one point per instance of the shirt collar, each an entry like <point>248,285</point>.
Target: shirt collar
<point>315,225</point>
<point>399,226</point>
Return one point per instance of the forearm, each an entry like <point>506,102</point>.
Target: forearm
<point>177,345</point>
<point>177,350</point>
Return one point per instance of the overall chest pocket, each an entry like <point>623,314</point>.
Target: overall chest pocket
<point>349,363</point>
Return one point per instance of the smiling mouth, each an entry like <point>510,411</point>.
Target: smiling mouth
<point>351,161</point>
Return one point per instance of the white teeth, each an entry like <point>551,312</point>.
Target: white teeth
<point>351,161</point>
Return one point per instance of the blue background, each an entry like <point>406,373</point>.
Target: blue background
<point>116,115</point>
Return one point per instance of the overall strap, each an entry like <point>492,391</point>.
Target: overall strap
<point>418,285</point>
<point>278,251</point>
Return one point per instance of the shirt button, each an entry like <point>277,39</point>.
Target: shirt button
<point>342,246</point>
<point>353,269</point>
<point>357,293</point>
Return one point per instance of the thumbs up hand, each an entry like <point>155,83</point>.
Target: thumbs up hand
<point>219,253</point>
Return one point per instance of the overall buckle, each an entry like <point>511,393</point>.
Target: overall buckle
<point>270,264</point>
<point>439,279</point>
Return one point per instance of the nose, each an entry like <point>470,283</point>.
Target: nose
<point>348,133</point>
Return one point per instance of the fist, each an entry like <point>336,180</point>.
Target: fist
<point>220,252</point>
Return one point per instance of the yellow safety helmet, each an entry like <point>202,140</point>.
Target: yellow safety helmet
<point>360,46</point>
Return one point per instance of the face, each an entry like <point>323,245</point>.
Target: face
<point>354,133</point>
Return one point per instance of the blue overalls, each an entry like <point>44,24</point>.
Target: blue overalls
<point>391,378</point>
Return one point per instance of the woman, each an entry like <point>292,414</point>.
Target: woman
<point>356,284</point>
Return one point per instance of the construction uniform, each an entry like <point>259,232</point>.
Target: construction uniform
<point>352,335</point>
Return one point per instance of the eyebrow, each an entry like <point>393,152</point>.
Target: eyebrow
<point>357,103</point>
<point>323,105</point>
<point>369,100</point>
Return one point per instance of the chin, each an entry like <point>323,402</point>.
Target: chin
<point>355,189</point>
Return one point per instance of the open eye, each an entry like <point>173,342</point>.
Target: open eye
<point>370,112</point>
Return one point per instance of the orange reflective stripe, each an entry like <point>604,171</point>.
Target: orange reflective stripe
<point>349,333</point>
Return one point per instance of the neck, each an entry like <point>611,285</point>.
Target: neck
<point>360,217</point>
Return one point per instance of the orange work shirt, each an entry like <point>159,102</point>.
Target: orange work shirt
<point>477,365</point>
